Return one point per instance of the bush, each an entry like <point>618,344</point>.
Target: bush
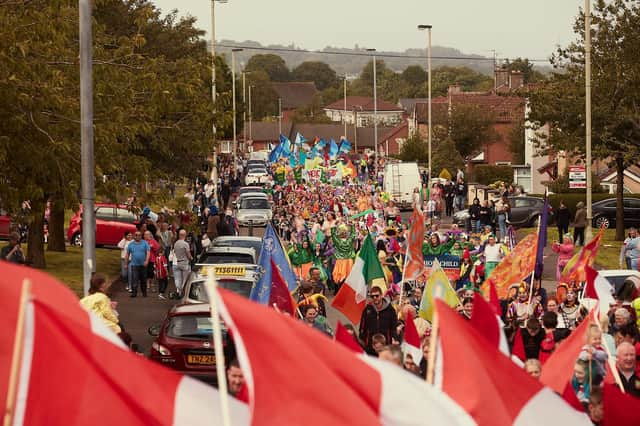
<point>487,174</point>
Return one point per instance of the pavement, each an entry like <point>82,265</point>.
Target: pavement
<point>139,313</point>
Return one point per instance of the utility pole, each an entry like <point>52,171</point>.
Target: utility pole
<point>233,103</point>
<point>250,115</point>
<point>428,28</point>
<point>244,109</point>
<point>587,83</point>
<point>280,115</point>
<point>86,150</point>
<point>375,112</point>
<point>214,166</point>
<point>344,114</point>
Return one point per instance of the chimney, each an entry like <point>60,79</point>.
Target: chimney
<point>517,80</point>
<point>454,89</point>
<point>501,79</point>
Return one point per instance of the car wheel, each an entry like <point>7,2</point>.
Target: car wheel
<point>602,222</point>
<point>76,240</point>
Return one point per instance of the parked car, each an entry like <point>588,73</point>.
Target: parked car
<point>112,221</point>
<point>183,341</point>
<point>239,241</point>
<point>236,277</point>
<point>604,212</point>
<point>5,225</point>
<point>525,212</point>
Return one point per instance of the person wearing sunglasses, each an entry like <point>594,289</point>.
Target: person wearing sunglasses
<point>378,317</point>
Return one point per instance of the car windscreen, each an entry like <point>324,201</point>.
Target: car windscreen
<point>198,292</point>
<point>256,245</point>
<point>190,327</point>
<point>617,281</point>
<point>216,258</point>
<point>254,204</point>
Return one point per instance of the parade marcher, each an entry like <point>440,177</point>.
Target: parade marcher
<point>309,294</point>
<point>344,251</point>
<point>570,310</point>
<point>533,368</point>
<point>493,253</point>
<point>312,318</point>
<point>521,309</point>
<point>565,253</point>
<point>378,317</point>
<point>301,257</point>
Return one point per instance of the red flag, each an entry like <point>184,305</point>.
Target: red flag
<point>486,323</point>
<point>328,382</point>
<point>558,369</point>
<point>280,297</point>
<point>569,395</point>
<point>598,288</point>
<point>620,409</point>
<point>518,346</point>
<point>411,344</point>
<point>488,385</point>
<point>414,265</point>
<point>493,299</point>
<point>76,371</point>
<point>347,339</point>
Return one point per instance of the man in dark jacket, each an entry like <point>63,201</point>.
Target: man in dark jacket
<point>378,317</point>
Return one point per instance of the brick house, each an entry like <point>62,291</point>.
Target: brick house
<point>294,94</point>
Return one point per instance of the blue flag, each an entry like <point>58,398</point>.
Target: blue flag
<point>275,154</point>
<point>286,146</point>
<point>299,140</point>
<point>333,149</point>
<point>321,144</point>
<point>271,249</point>
<point>542,237</point>
<point>345,146</point>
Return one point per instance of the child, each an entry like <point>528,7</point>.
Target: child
<point>580,381</point>
<point>161,272</point>
<point>593,352</point>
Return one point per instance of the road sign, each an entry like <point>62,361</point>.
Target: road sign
<point>577,177</point>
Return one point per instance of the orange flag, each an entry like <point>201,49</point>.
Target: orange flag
<point>517,265</point>
<point>575,268</point>
<point>415,260</point>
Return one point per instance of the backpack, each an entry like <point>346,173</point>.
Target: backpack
<point>547,346</point>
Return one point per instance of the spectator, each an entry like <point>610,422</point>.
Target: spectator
<point>99,303</point>
<point>13,251</point>
<point>474,216</point>
<point>579,223</point>
<point>138,254</point>
<point>461,194</point>
<point>182,261</point>
<point>563,217</point>
<point>124,271</point>
<point>631,250</point>
<point>378,317</point>
<point>626,364</point>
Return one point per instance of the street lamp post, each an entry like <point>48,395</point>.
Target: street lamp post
<point>250,115</point>
<point>587,124</point>
<point>233,102</point>
<point>375,113</point>
<point>344,113</point>
<point>280,116</point>
<point>244,109</point>
<point>428,28</point>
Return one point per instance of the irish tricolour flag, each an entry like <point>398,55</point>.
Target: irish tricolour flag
<point>352,296</point>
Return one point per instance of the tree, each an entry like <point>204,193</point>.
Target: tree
<point>264,100</point>
<point>415,149</point>
<point>414,75</point>
<point>529,74</point>
<point>560,102</point>
<point>468,79</point>
<point>273,65</point>
<point>311,113</point>
<point>517,143</point>
<point>444,155</point>
<point>471,127</point>
<point>318,72</point>
<point>148,115</point>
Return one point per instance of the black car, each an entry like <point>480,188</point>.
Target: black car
<point>604,212</point>
<point>525,212</point>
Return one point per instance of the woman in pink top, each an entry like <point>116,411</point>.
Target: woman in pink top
<point>565,253</point>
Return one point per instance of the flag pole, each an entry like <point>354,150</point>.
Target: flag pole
<point>433,343</point>
<point>219,352</point>
<point>16,355</point>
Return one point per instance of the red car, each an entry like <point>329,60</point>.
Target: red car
<point>184,342</point>
<point>5,225</point>
<point>112,220</point>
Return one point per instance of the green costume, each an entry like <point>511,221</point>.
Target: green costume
<point>439,250</point>
<point>297,174</point>
<point>343,247</point>
<point>299,255</point>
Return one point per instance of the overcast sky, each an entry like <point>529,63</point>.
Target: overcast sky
<point>527,28</point>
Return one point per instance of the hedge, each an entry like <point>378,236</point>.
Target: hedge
<point>571,199</point>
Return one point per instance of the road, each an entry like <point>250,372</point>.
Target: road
<point>138,314</point>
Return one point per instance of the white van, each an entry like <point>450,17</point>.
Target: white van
<point>400,180</point>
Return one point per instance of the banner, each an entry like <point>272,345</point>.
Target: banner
<point>449,264</point>
<point>314,174</point>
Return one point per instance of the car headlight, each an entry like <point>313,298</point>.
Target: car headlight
<point>160,349</point>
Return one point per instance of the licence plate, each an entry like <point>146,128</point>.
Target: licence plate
<point>236,271</point>
<point>201,359</point>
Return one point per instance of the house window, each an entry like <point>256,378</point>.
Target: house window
<point>225,147</point>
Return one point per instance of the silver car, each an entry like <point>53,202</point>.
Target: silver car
<point>254,211</point>
<point>236,277</point>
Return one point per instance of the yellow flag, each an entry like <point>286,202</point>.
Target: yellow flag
<point>437,286</point>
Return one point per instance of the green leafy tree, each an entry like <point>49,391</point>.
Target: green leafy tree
<point>468,79</point>
<point>414,75</point>
<point>471,127</point>
<point>415,149</point>
<point>560,102</point>
<point>273,65</point>
<point>529,74</point>
<point>318,72</point>
<point>516,142</point>
<point>444,155</point>
<point>264,100</point>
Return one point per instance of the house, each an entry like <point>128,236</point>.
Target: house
<point>631,181</point>
<point>360,110</point>
<point>390,142</point>
<point>262,135</point>
<point>293,95</point>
